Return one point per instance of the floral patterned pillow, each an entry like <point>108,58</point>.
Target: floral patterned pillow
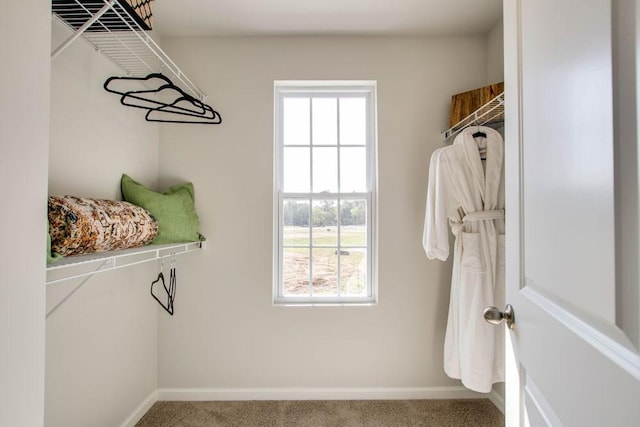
<point>80,225</point>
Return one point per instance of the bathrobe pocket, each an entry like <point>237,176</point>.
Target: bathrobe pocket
<point>471,259</point>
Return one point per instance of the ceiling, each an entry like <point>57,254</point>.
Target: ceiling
<point>324,17</point>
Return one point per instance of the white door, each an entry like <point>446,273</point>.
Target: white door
<point>571,148</point>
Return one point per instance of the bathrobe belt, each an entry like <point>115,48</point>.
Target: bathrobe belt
<point>483,215</point>
<point>456,225</point>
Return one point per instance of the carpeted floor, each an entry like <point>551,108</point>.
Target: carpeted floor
<point>342,413</point>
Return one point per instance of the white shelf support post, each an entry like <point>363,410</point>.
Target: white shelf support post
<point>78,286</point>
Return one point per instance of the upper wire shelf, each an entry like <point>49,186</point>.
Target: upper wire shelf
<point>111,29</point>
<point>491,113</point>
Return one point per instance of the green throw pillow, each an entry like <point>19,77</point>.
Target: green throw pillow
<point>51,256</point>
<point>174,210</point>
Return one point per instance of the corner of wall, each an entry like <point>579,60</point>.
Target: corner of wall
<point>112,323</point>
<point>494,41</point>
<point>497,396</point>
<point>142,409</point>
<point>24,132</point>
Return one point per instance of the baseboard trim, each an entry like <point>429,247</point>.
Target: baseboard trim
<point>382,393</point>
<point>142,409</point>
<point>497,399</point>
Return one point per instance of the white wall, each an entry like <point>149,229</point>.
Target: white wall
<point>495,53</point>
<point>101,344</point>
<point>226,333</point>
<point>94,139</point>
<point>24,135</point>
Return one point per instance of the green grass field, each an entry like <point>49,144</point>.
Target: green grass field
<point>351,235</point>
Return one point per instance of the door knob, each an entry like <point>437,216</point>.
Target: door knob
<point>495,317</point>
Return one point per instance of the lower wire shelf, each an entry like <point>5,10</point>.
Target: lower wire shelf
<point>75,267</point>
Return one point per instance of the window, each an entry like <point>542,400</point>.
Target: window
<point>324,198</point>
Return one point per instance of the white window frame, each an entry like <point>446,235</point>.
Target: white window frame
<point>310,89</point>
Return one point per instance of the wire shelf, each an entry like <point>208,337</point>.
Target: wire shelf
<point>75,267</point>
<point>86,266</point>
<point>111,29</point>
<point>491,113</point>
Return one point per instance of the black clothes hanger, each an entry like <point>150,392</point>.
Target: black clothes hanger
<point>113,81</point>
<point>482,144</point>
<point>165,114</point>
<point>172,282</point>
<point>178,103</point>
<point>167,294</point>
<point>479,133</point>
<point>137,99</point>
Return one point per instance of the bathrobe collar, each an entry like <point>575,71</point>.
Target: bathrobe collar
<point>487,179</point>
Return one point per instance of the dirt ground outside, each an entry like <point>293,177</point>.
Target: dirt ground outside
<point>334,271</point>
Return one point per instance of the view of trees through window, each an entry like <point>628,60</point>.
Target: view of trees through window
<point>324,213</point>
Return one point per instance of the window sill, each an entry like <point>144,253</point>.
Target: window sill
<point>324,302</point>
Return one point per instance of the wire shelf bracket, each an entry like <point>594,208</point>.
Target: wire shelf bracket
<point>111,29</point>
<point>491,113</point>
<point>86,266</point>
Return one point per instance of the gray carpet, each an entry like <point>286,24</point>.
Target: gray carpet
<point>342,413</point>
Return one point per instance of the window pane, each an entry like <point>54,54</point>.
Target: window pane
<point>295,271</point>
<point>353,169</point>
<point>324,218</point>
<point>324,173</point>
<point>325,271</point>
<point>353,272</point>
<point>296,170</point>
<point>295,220</point>
<point>296,128</point>
<point>325,121</point>
<point>353,223</point>
<point>325,169</point>
<point>353,121</point>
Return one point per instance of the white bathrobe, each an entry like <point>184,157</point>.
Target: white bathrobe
<point>467,194</point>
